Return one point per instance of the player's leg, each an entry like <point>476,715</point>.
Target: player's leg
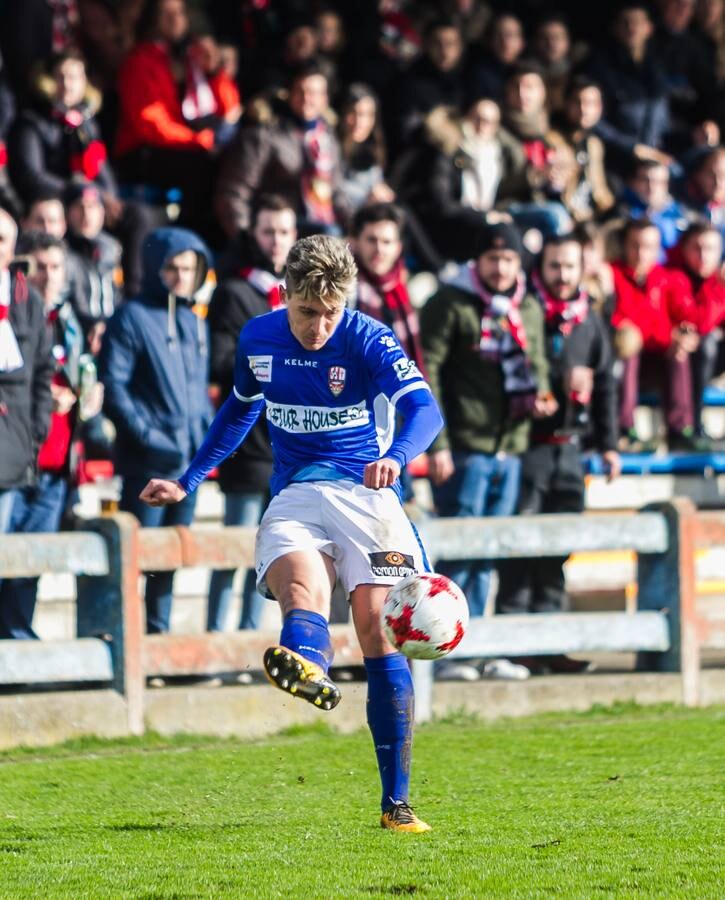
<point>389,707</point>
<point>302,583</point>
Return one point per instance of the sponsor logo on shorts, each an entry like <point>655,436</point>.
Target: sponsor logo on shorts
<point>313,419</point>
<point>406,369</point>
<point>261,367</point>
<point>336,380</point>
<point>392,564</point>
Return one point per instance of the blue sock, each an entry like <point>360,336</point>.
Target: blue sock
<point>306,633</point>
<point>390,717</point>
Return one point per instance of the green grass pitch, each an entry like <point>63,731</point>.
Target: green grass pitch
<point>624,802</point>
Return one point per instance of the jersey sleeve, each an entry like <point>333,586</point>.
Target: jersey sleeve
<point>390,370</point>
<point>250,369</point>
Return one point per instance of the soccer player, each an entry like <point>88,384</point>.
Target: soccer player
<point>332,381</point>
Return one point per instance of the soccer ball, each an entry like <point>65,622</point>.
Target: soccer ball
<point>425,616</point>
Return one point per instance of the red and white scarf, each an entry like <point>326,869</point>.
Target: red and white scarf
<point>316,180</point>
<point>266,283</point>
<point>10,356</point>
<point>503,338</point>
<point>564,315</point>
<point>386,299</point>
<point>199,100</point>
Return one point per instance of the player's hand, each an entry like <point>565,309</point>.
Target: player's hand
<point>381,474</point>
<point>440,466</point>
<point>613,464</point>
<point>160,492</point>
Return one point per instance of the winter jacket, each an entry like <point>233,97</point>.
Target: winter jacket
<point>587,194</point>
<point>267,156</point>
<point>154,367</point>
<point>151,112</point>
<point>656,307</point>
<point>233,304</point>
<point>636,107</point>
<point>94,276</point>
<point>709,301</point>
<point>25,399</point>
<point>587,344</point>
<point>468,387</point>
<point>45,152</point>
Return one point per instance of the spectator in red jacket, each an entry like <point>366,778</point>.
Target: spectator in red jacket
<point>698,254</point>
<point>654,334</point>
<point>177,104</point>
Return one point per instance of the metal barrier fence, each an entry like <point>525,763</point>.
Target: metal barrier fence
<point>666,631</point>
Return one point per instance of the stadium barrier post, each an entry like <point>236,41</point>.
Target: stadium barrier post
<point>110,606</point>
<point>423,684</point>
<point>666,581</point>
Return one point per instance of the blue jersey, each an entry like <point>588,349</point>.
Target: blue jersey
<point>330,409</point>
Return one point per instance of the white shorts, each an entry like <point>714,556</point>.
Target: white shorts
<point>366,532</point>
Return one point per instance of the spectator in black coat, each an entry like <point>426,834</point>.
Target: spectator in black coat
<point>493,65</point>
<point>58,139</point>
<point>690,75</point>
<point>437,78</point>
<point>552,478</point>
<point>636,97</point>
<point>26,368</point>
<point>253,272</point>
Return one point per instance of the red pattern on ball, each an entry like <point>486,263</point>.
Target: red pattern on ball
<point>400,626</point>
<point>454,641</point>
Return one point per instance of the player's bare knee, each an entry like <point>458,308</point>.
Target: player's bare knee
<point>298,595</point>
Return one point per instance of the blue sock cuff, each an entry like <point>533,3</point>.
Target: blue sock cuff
<point>306,615</point>
<point>389,663</point>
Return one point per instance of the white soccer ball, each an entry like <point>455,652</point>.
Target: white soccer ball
<point>425,616</point>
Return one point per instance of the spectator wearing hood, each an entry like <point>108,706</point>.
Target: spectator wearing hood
<point>26,368</point>
<point>483,343</point>
<point>58,139</point>
<point>249,287</point>
<point>154,367</point>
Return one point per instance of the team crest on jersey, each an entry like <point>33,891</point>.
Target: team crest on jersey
<point>336,380</point>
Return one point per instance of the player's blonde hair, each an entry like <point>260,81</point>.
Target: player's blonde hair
<point>321,268</point>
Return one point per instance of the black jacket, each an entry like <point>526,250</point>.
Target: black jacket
<point>233,304</point>
<point>586,345</point>
<point>25,399</point>
<point>40,149</point>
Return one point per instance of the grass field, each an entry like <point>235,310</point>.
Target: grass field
<point>622,802</point>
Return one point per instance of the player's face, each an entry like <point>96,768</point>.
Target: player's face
<point>561,269</point>
<point>311,322</point>
<point>499,269</point>
<point>378,247</point>
<point>275,232</point>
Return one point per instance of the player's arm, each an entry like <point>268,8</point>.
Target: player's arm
<point>403,384</point>
<point>231,425</point>
<point>422,420</point>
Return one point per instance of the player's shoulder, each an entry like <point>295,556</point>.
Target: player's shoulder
<point>268,325</point>
<point>368,333</point>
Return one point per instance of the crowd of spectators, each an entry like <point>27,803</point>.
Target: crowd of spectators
<point>560,175</point>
